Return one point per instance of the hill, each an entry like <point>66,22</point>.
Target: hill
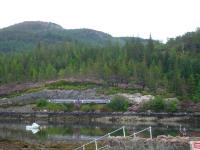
<point>26,35</point>
<point>165,69</point>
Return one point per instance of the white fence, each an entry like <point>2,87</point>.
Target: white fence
<point>146,129</point>
<point>106,147</point>
<point>81,101</point>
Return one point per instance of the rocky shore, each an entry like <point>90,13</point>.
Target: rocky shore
<point>21,145</point>
<point>115,143</point>
<point>159,143</point>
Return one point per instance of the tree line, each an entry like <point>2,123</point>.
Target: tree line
<point>172,67</point>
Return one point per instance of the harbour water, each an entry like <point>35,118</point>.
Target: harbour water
<point>80,131</point>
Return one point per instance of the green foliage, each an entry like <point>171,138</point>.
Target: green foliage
<point>42,103</point>
<point>94,107</point>
<point>196,95</point>
<point>136,64</point>
<point>69,107</point>
<point>86,108</point>
<point>55,107</point>
<point>196,98</point>
<point>158,104</point>
<point>118,103</point>
<point>66,85</point>
<point>114,90</point>
<point>25,36</point>
<point>171,105</point>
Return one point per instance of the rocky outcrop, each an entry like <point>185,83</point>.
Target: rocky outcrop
<point>159,143</point>
<point>137,98</point>
<point>50,94</point>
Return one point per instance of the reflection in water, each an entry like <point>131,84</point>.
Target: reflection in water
<point>81,132</point>
<point>34,128</point>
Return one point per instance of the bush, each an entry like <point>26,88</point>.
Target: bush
<point>196,95</point>
<point>171,105</point>
<point>55,107</point>
<point>68,107</point>
<point>85,108</point>
<point>196,98</point>
<point>41,103</point>
<point>157,104</point>
<point>118,103</point>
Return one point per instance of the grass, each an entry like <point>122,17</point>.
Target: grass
<point>69,85</point>
<point>101,89</point>
<point>44,104</point>
<point>114,90</point>
<point>21,92</point>
<point>94,107</point>
<point>66,85</point>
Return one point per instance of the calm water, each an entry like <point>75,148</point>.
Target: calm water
<point>82,131</point>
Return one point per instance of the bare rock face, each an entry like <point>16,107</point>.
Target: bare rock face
<point>137,98</point>
<point>49,94</point>
<point>159,143</point>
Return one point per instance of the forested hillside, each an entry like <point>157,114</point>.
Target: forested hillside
<point>173,67</point>
<point>26,36</point>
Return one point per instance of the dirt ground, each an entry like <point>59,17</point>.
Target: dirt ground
<point>19,145</point>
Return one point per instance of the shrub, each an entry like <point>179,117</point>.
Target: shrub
<point>55,107</point>
<point>196,95</point>
<point>171,105</point>
<point>105,108</point>
<point>41,103</point>
<point>69,107</point>
<point>85,108</point>
<point>157,104</point>
<point>196,98</point>
<point>118,103</point>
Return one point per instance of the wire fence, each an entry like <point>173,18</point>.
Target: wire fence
<point>107,147</point>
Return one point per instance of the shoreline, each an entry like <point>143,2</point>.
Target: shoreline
<point>115,143</point>
<point>100,117</point>
<point>79,113</point>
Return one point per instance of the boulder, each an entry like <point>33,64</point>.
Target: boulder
<point>137,98</point>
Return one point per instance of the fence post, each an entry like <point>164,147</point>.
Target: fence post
<point>150,132</point>
<point>124,131</point>
<point>134,135</point>
<point>109,135</point>
<point>96,146</point>
<point>83,147</point>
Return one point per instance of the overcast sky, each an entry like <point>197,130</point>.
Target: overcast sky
<point>162,18</point>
